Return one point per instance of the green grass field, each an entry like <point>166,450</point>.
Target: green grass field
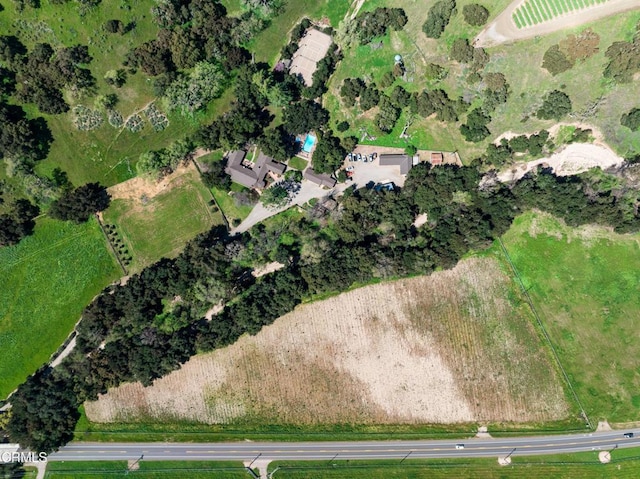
<point>47,280</point>
<point>584,284</point>
<point>147,470</point>
<point>625,464</point>
<point>160,226</point>
<point>533,12</point>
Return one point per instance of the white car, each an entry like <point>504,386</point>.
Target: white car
<point>459,446</point>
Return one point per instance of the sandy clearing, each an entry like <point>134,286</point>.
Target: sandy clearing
<point>504,30</point>
<point>411,351</point>
<point>575,158</point>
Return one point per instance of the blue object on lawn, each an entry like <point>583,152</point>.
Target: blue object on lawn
<point>309,141</point>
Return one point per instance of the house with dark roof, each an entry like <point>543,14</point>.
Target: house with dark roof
<point>405,162</point>
<point>321,179</point>
<point>252,175</point>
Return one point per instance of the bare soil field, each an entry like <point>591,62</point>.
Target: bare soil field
<point>457,346</point>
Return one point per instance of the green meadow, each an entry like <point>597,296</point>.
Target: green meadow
<point>585,285</point>
<point>47,279</point>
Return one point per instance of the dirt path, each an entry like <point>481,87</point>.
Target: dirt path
<point>356,9</point>
<point>504,30</point>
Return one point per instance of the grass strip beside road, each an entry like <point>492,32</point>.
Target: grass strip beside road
<point>625,464</point>
<point>146,470</point>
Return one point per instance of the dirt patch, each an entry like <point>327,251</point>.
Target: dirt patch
<point>504,30</point>
<point>435,349</point>
<point>142,187</point>
<point>575,158</point>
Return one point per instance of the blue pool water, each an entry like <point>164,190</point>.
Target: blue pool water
<point>309,141</point>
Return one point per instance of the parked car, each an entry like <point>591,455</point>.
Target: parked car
<point>350,168</point>
<point>359,157</point>
<point>350,157</point>
<point>370,157</point>
<point>374,155</point>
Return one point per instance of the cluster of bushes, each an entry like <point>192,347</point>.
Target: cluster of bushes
<point>631,119</point>
<point>438,18</point>
<point>564,55</point>
<point>624,59</point>
<point>159,163</point>
<point>376,23</point>
<point>118,245</point>
<point>555,105</point>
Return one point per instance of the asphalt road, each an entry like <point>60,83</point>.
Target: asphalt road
<point>300,451</point>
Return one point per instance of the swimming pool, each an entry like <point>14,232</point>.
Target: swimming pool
<point>309,141</point>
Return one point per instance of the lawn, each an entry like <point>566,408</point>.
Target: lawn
<point>147,470</point>
<point>158,226</point>
<point>228,204</point>
<point>298,163</point>
<point>47,280</point>
<point>585,285</point>
<point>625,464</point>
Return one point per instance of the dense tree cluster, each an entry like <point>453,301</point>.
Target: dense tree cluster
<point>475,129</point>
<point>475,14</point>
<point>192,32</point>
<point>79,204</point>
<point>329,153</point>
<point>376,23</point>
<point>17,222</point>
<point>563,56</point>
<point>246,120</point>
<point>631,119</point>
<point>438,18</point>
<point>20,137</point>
<point>42,73</point>
<point>624,60</point>
<point>556,104</point>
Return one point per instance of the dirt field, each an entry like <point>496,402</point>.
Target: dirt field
<point>504,30</point>
<point>442,349</point>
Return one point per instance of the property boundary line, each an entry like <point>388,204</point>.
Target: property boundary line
<point>545,333</point>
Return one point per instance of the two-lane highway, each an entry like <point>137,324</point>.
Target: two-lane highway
<point>363,450</point>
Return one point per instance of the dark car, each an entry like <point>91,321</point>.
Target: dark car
<point>628,434</point>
